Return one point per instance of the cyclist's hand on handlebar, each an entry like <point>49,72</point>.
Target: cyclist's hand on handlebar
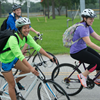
<point>34,71</point>
<point>38,33</point>
<point>53,59</point>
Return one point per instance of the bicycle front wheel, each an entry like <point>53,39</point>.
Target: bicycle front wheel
<point>46,63</point>
<point>49,91</point>
<point>67,79</point>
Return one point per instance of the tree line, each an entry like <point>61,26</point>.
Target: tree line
<point>6,7</point>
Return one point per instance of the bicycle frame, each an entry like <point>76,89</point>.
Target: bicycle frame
<point>32,85</point>
<point>77,66</point>
<point>28,49</point>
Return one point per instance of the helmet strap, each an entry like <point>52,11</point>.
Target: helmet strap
<point>86,21</point>
<point>16,15</point>
<point>21,32</point>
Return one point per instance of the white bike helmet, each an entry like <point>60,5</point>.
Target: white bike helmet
<point>22,21</point>
<point>88,13</point>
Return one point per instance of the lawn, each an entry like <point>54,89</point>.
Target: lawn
<point>53,30</point>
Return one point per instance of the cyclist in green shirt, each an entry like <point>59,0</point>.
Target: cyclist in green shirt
<point>15,56</point>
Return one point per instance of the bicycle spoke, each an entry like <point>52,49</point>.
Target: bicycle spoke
<point>69,82</point>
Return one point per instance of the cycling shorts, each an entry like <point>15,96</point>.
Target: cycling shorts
<point>8,66</point>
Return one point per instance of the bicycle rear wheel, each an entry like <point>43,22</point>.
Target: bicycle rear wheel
<point>46,63</point>
<point>69,82</point>
<point>53,93</point>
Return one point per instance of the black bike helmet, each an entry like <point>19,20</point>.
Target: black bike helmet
<point>15,6</point>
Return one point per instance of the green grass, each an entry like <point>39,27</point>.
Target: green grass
<point>53,30</point>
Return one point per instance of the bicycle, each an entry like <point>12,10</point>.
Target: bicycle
<point>39,57</point>
<point>67,77</point>
<point>47,89</point>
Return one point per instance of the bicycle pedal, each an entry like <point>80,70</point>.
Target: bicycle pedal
<point>90,84</point>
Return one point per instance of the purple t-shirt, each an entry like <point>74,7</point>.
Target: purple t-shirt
<point>80,32</point>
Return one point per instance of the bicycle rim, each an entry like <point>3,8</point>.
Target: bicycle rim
<point>42,94</point>
<point>47,70</point>
<point>72,84</point>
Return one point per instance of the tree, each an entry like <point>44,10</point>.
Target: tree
<point>1,1</point>
<point>48,7</point>
<point>67,4</point>
<point>22,1</point>
<point>0,9</point>
<point>58,5</point>
<point>45,4</point>
<point>53,9</point>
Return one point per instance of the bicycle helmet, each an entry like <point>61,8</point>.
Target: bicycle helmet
<point>88,13</point>
<point>15,6</point>
<point>22,21</point>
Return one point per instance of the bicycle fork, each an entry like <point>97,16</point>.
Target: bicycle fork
<point>49,90</point>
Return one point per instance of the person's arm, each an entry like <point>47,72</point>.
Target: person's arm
<point>89,43</point>
<point>95,35</point>
<point>11,24</point>
<point>37,47</point>
<point>32,69</point>
<point>42,51</point>
<point>31,29</point>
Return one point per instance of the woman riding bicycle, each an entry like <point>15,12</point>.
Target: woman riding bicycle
<point>15,56</point>
<point>80,51</point>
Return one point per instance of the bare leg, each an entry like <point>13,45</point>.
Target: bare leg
<point>24,69</point>
<point>11,84</point>
<point>86,73</point>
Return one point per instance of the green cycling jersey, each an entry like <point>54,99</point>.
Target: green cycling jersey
<point>15,51</point>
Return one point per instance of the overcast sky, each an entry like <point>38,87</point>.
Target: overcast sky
<point>15,1</point>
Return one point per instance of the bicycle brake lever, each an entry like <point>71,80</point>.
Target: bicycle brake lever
<point>53,59</point>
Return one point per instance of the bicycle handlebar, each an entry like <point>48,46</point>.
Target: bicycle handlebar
<point>39,37</point>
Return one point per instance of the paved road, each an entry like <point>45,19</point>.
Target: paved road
<point>85,94</point>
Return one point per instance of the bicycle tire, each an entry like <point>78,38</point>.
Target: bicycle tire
<point>72,84</point>
<point>4,91</point>
<point>15,72</point>
<point>20,98</point>
<point>42,95</point>
<point>43,58</point>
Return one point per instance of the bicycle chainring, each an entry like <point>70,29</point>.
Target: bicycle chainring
<point>90,84</point>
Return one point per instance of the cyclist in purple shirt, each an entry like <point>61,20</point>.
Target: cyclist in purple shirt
<point>82,50</point>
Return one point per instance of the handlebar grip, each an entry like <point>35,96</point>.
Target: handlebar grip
<point>35,38</point>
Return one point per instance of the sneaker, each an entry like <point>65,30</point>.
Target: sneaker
<point>82,79</point>
<point>97,81</point>
<point>20,86</point>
